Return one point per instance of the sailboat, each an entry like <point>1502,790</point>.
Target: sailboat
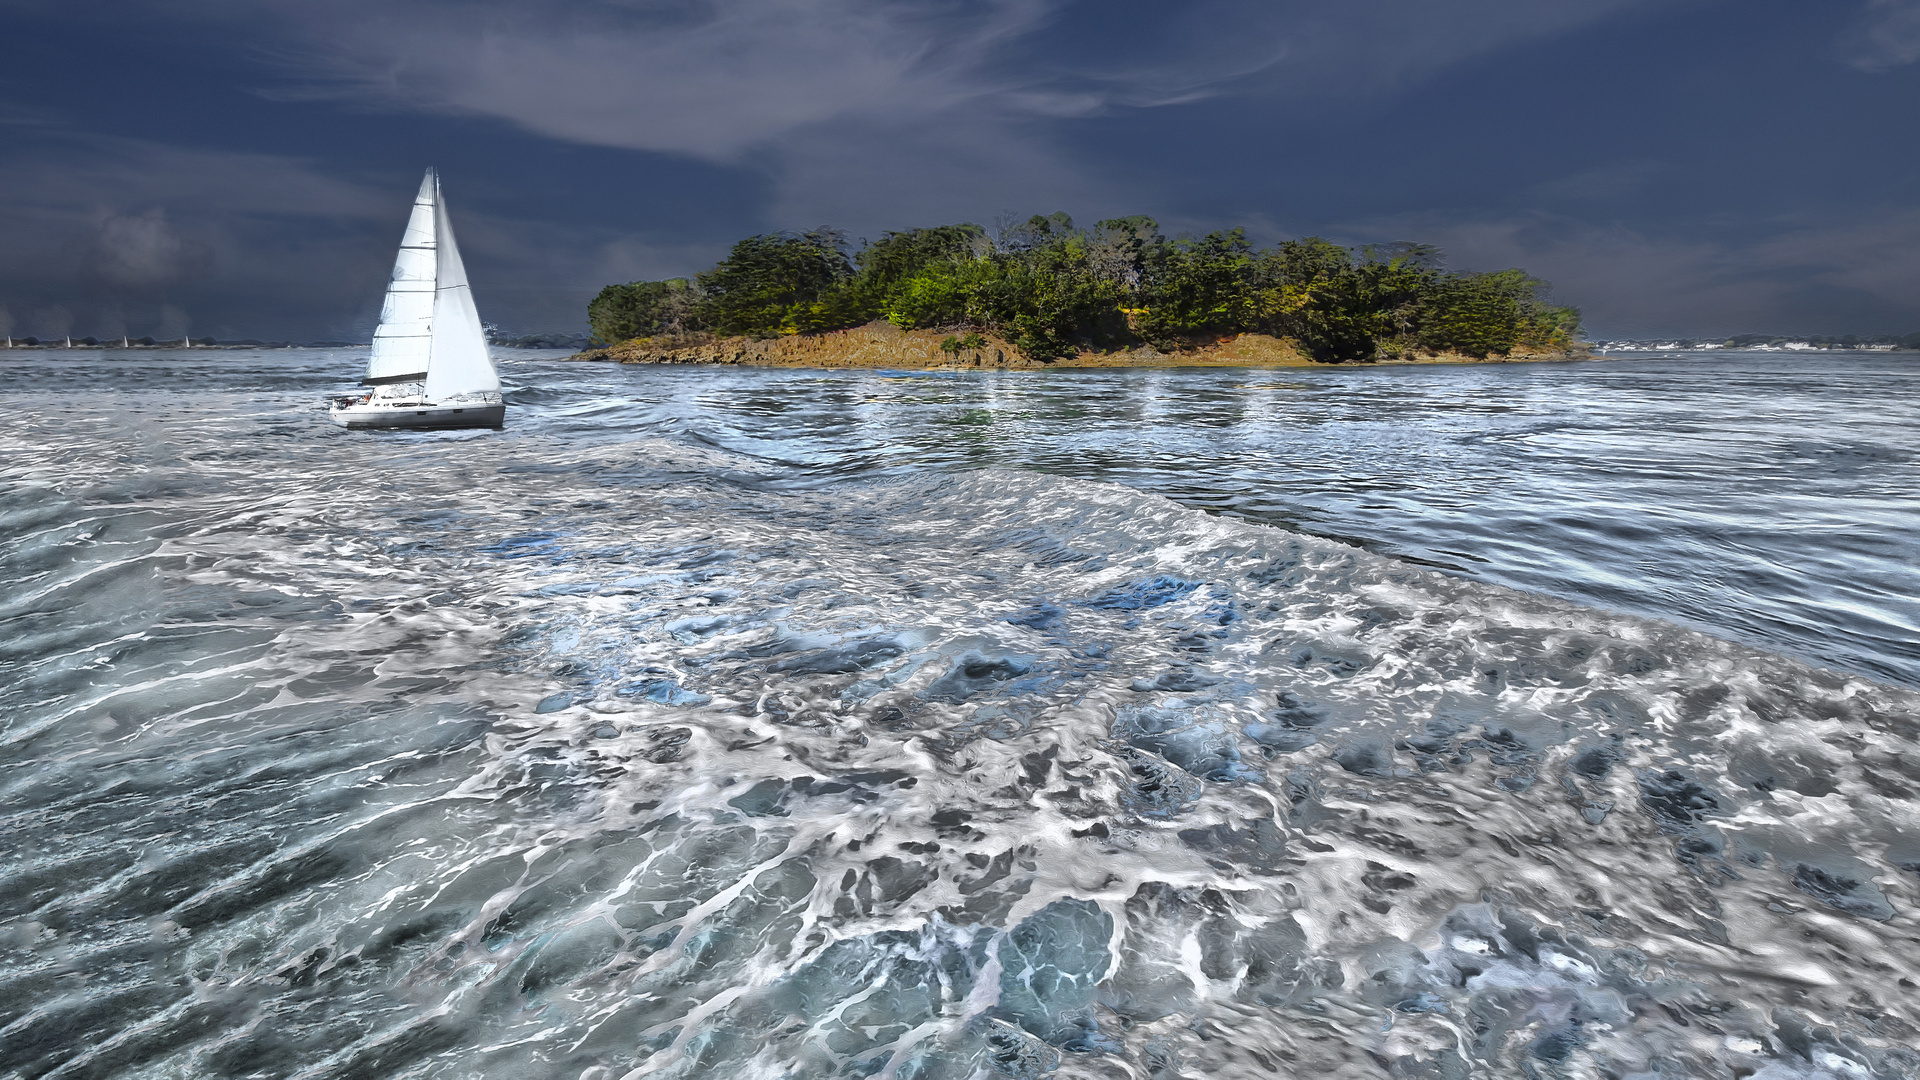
<point>430,368</point>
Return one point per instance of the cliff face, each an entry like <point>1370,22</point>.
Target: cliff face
<point>883,345</point>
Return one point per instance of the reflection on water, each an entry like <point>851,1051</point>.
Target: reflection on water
<point>1758,497</point>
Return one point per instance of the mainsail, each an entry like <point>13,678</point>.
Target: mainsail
<point>429,328</point>
<point>404,339</point>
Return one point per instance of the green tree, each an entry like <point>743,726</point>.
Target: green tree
<point>1483,314</point>
<point>1116,252</point>
<point>780,283</point>
<point>1551,327</point>
<point>889,263</point>
<point>644,308</point>
<point>1474,314</point>
<point>1045,296</point>
<point>1038,231</point>
<point>1342,306</point>
<point>1194,286</point>
<point>939,294</point>
<point>1052,289</point>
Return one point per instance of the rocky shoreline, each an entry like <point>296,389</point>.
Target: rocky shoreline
<point>882,345</point>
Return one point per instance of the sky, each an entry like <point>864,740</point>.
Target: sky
<point>234,169</point>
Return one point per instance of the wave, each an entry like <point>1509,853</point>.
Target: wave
<point>644,764</point>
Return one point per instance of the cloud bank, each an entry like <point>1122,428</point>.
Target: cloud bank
<point>1886,36</point>
<point>1597,142</point>
<point>113,235</point>
<point>901,108</point>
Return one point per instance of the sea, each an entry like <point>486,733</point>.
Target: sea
<point>1542,720</point>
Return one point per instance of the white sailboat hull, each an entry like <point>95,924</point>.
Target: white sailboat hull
<point>362,416</point>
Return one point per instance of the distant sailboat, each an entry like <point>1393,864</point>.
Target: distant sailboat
<point>430,367</point>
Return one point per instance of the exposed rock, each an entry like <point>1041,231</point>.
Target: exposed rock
<point>880,344</point>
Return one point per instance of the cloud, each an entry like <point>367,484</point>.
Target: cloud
<point>1357,50</point>
<point>957,167</point>
<point>110,235</point>
<point>1854,275</point>
<point>899,109</point>
<point>174,323</point>
<point>145,251</point>
<point>715,78</point>
<point>875,115</point>
<point>708,80</point>
<point>54,320</point>
<point>1598,183</point>
<point>107,229</point>
<point>1887,35</point>
<point>1876,258</point>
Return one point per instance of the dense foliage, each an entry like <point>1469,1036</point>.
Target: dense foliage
<point>644,309</point>
<point>1052,289</point>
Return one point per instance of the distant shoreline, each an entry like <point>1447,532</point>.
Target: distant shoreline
<point>229,345</point>
<point>881,345</point>
<point>209,343</point>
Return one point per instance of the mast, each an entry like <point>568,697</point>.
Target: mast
<point>403,342</point>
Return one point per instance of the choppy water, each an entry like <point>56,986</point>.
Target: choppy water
<point>790,724</point>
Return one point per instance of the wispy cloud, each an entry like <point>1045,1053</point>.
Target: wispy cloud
<point>713,78</point>
<point>125,235</point>
<point>875,114</point>
<point>892,107</point>
<point>1887,35</point>
<point>99,226</point>
<point>709,80</point>
<point>144,250</point>
<point>1852,275</point>
<point>1311,50</point>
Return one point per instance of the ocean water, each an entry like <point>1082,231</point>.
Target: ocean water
<point>1549,720</point>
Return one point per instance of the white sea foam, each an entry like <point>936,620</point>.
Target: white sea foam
<point>647,763</point>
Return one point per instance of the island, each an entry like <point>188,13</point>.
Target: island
<point>1042,293</point>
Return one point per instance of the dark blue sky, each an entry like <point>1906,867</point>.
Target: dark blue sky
<point>1684,167</point>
